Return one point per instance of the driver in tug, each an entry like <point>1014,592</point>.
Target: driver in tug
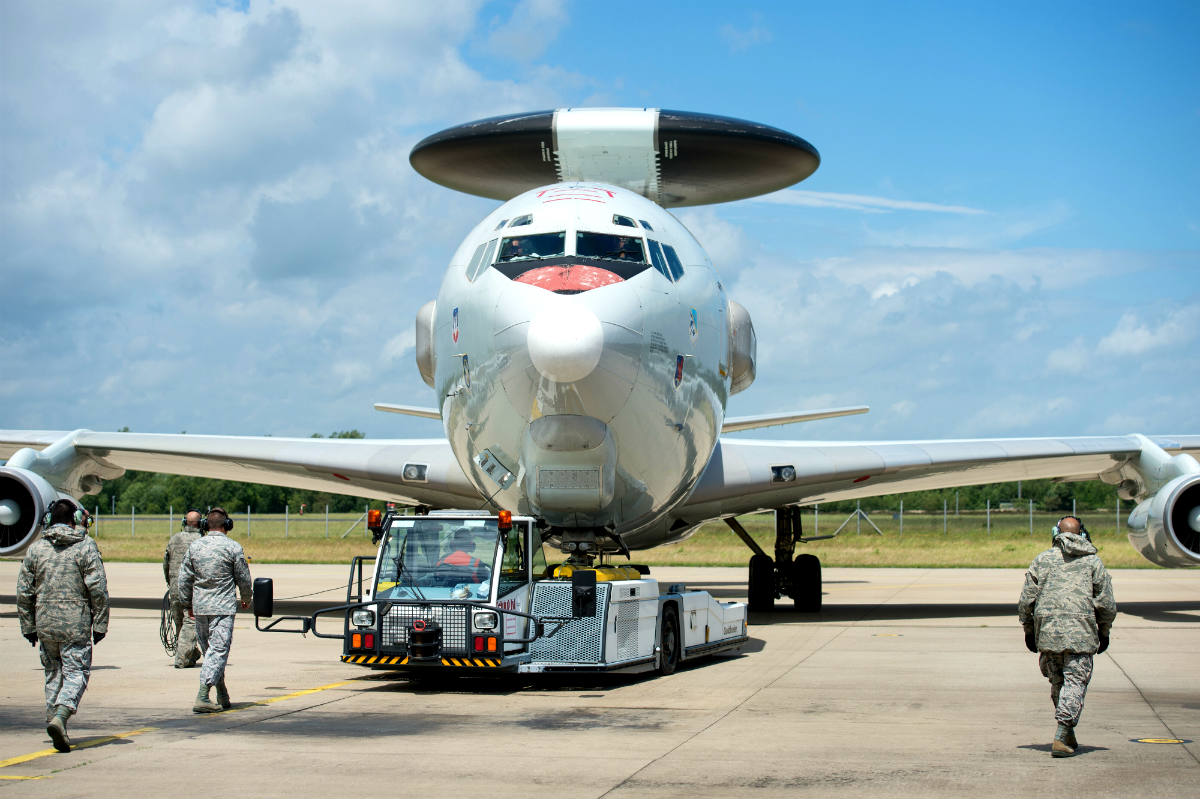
<point>461,558</point>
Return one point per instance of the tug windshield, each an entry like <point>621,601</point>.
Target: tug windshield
<point>425,557</point>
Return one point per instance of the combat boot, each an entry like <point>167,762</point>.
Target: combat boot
<point>56,728</point>
<point>223,695</point>
<point>1063,738</point>
<point>203,703</point>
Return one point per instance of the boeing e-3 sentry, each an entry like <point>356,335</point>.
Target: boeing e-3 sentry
<point>583,351</point>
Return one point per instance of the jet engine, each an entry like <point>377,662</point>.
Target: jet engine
<point>1166,527</point>
<point>24,497</point>
<point>742,348</point>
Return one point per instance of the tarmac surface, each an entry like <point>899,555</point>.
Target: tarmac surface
<point>912,682</point>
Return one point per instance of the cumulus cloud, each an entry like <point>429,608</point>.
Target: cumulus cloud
<point>1133,337</point>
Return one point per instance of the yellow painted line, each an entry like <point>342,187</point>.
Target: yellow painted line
<point>292,695</point>
<point>14,777</point>
<point>12,761</point>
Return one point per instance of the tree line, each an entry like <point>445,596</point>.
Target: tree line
<point>150,492</point>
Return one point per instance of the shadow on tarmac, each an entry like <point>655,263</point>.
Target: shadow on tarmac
<point>1082,750</point>
<point>1171,611</point>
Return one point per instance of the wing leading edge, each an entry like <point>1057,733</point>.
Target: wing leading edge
<point>416,471</point>
<point>745,476</point>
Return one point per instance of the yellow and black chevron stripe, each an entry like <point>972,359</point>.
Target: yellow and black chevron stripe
<point>397,660</point>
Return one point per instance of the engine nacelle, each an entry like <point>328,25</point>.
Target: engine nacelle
<point>1166,527</point>
<point>24,497</point>
<point>423,343</point>
<point>743,346</point>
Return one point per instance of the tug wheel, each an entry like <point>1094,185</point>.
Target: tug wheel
<point>669,650</point>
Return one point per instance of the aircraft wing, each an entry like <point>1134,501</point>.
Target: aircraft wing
<point>745,476</point>
<point>414,471</point>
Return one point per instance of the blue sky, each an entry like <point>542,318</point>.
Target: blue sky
<point>210,224</point>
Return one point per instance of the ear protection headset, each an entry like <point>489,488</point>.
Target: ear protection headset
<point>183,522</point>
<point>226,525</point>
<point>1082,530</point>
<point>79,517</point>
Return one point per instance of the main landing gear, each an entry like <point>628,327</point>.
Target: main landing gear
<point>784,575</point>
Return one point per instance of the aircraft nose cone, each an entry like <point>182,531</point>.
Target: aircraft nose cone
<point>565,342</point>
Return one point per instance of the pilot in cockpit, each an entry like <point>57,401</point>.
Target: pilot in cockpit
<point>628,249</point>
<point>513,250</point>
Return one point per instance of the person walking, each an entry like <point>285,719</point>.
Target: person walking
<point>187,652</point>
<point>62,602</point>
<point>1067,610</point>
<point>213,570</point>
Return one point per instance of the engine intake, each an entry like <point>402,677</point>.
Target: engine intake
<point>1166,527</point>
<point>24,497</point>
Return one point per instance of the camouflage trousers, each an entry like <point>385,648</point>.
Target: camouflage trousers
<point>1069,675</point>
<point>187,652</point>
<point>215,634</point>
<point>68,667</point>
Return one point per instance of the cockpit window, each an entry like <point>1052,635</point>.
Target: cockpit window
<point>658,259</point>
<point>521,220</point>
<point>607,245</point>
<point>497,227</point>
<point>537,245</point>
<point>673,261</point>
<point>623,221</point>
<point>484,254</point>
<point>645,224</point>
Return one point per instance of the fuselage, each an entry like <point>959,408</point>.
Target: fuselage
<point>581,356</point>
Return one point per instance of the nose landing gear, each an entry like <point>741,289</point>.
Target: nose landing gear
<point>787,574</point>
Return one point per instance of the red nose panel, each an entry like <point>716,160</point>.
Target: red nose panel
<point>571,278</point>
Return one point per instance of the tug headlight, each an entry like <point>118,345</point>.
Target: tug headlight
<point>485,620</point>
<point>363,618</point>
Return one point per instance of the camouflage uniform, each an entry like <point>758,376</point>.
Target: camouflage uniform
<point>213,567</point>
<point>1067,603</point>
<point>62,595</point>
<point>187,653</point>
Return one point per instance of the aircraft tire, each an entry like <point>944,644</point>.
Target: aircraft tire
<point>761,587</point>
<point>806,583</point>
<point>670,650</point>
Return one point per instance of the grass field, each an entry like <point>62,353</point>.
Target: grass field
<point>966,542</point>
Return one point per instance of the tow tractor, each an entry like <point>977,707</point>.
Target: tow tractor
<point>468,592</point>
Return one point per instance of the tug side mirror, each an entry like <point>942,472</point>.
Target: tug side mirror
<point>583,594</point>
<point>264,597</point>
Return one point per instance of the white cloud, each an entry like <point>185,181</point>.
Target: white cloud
<point>739,39</point>
<point>1075,358</point>
<point>525,35</point>
<point>1132,337</point>
<point>860,202</point>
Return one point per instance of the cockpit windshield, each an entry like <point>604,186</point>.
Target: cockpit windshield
<point>425,557</point>
<point>536,245</point>
<point>610,246</point>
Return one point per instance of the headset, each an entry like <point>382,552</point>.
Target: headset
<point>183,525</point>
<point>227,525</point>
<point>1082,530</point>
<point>80,518</point>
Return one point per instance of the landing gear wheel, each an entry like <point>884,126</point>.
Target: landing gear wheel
<point>806,583</point>
<point>762,583</point>
<point>669,650</point>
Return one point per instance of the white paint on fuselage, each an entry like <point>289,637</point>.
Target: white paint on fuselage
<point>662,434</point>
